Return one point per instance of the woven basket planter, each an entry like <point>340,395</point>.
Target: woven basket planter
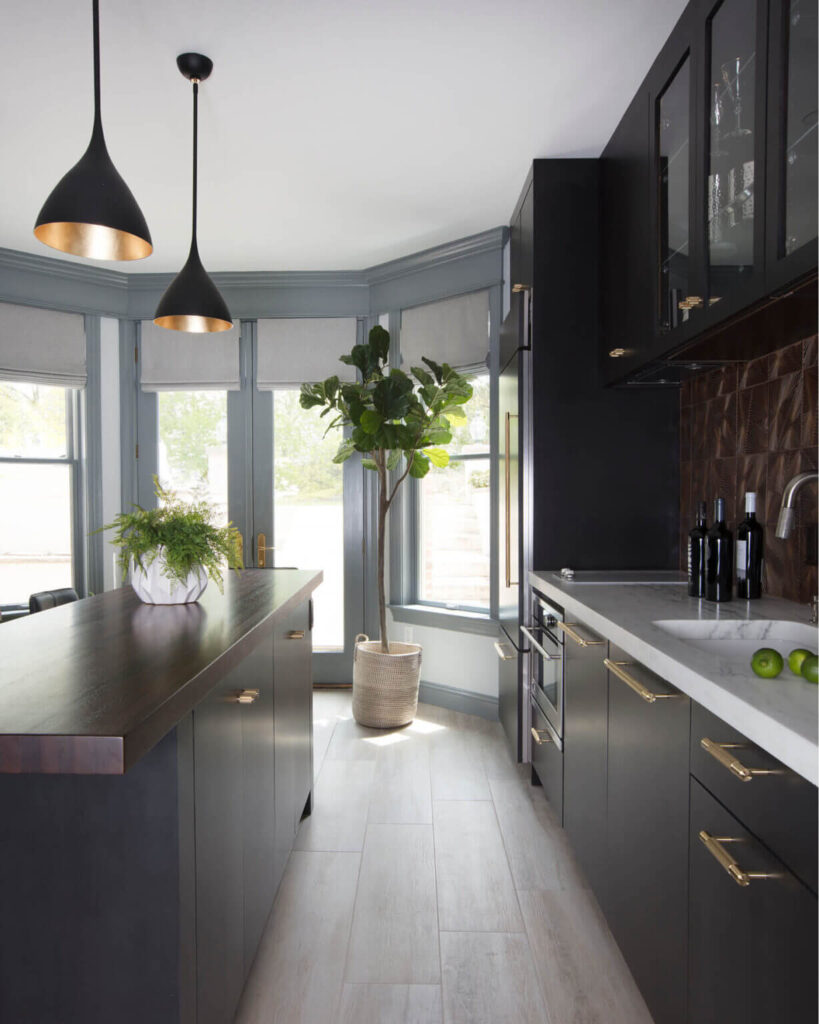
<point>385,686</point>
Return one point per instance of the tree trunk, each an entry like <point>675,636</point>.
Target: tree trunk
<point>383,505</point>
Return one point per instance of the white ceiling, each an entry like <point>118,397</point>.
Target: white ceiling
<point>333,135</point>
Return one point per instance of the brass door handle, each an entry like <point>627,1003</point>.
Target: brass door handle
<point>721,753</point>
<point>500,648</point>
<point>507,503</point>
<point>246,696</point>
<point>540,736</point>
<point>649,696</point>
<point>295,634</point>
<point>566,627</point>
<point>261,547</point>
<point>713,844</point>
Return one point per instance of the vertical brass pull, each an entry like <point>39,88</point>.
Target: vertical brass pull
<point>261,547</point>
<point>713,844</point>
<point>507,478</point>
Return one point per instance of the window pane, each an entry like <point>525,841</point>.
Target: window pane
<point>193,447</point>
<point>473,436</point>
<point>308,509</point>
<point>454,535</point>
<point>32,421</point>
<point>35,530</point>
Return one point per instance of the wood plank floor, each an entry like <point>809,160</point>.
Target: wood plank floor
<point>432,885</point>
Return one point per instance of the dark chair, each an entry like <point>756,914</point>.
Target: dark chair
<point>51,598</point>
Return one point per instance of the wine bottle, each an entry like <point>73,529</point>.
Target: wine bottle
<point>749,552</point>
<point>719,575</point>
<point>697,550</point>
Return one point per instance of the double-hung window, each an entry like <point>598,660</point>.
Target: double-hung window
<point>42,374</point>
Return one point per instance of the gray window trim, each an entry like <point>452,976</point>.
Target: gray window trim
<point>403,547</point>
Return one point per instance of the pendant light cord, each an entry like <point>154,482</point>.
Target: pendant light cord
<point>195,156</point>
<point>97,113</point>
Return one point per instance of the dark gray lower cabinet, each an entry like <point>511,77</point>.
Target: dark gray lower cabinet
<point>547,760</point>
<point>753,948</point>
<point>585,733</point>
<point>646,901</point>
<point>292,729</point>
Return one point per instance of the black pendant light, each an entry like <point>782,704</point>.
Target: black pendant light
<point>91,211</point>
<point>192,301</point>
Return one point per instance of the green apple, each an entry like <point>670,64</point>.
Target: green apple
<point>795,659</point>
<point>767,662</point>
<point>810,668</point>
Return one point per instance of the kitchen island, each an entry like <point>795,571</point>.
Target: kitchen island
<point>154,764</point>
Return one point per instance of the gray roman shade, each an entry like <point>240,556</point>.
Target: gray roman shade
<point>303,351</point>
<point>454,331</point>
<point>40,346</point>
<point>179,361</point>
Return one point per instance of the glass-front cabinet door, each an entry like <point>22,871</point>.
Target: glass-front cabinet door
<point>672,132</point>
<point>734,197</point>
<point>792,140</point>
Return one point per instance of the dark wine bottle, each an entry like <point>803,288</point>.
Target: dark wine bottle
<point>697,551</point>
<point>750,543</point>
<point>719,576</point>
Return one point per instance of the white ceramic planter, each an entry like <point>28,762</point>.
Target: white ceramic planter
<point>153,587</point>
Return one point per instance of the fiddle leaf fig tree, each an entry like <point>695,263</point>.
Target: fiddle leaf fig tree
<point>398,422</point>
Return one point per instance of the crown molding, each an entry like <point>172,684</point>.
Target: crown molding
<point>54,283</point>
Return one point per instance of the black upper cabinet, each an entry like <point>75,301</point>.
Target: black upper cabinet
<point>729,157</point>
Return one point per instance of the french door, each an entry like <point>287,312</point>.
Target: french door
<point>264,463</point>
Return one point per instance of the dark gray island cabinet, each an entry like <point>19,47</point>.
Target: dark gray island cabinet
<point>154,765</point>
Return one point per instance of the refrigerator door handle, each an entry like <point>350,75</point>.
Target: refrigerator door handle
<point>507,503</point>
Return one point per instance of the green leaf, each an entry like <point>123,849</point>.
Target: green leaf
<point>420,466</point>
<point>369,464</point>
<point>437,369</point>
<point>379,340</point>
<point>371,420</point>
<point>394,458</point>
<point>455,415</point>
<point>437,456</point>
<point>390,395</point>
<point>422,376</point>
<point>359,357</point>
<point>345,450</point>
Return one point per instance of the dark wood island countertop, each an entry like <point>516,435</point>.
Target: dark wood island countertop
<point>89,687</point>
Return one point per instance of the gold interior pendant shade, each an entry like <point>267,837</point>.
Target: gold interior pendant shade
<point>192,301</point>
<point>91,211</point>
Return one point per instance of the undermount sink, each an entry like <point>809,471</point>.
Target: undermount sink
<point>739,639</point>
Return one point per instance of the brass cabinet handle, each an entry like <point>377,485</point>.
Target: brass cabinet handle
<point>617,669</point>
<point>690,302</point>
<point>721,753</point>
<point>261,547</point>
<point>566,627</point>
<point>295,634</point>
<point>501,648</point>
<point>540,736</point>
<point>713,844</point>
<point>507,500</point>
<point>246,696</point>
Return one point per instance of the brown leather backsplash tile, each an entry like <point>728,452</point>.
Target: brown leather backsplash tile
<point>751,427</point>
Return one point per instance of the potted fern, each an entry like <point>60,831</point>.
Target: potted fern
<point>399,423</point>
<point>174,549</point>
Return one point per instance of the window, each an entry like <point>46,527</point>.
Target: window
<point>193,447</point>
<point>308,509</point>
<point>454,516</point>
<point>38,485</point>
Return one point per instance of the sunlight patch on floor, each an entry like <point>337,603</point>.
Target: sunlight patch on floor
<point>422,726</point>
<point>385,741</point>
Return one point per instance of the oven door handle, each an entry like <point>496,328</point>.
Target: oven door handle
<point>544,654</point>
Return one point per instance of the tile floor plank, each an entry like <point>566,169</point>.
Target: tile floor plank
<point>401,784</point>
<point>539,852</point>
<point>394,937</point>
<point>489,978</point>
<point>475,888</point>
<point>297,975</point>
<point>341,798</point>
<point>583,977</point>
<point>391,1004</point>
<point>456,762</point>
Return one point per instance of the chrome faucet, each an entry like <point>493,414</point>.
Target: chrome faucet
<point>786,512</point>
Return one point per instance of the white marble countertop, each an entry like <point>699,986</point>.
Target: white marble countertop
<point>781,715</point>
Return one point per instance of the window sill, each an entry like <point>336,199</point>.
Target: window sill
<point>444,618</point>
